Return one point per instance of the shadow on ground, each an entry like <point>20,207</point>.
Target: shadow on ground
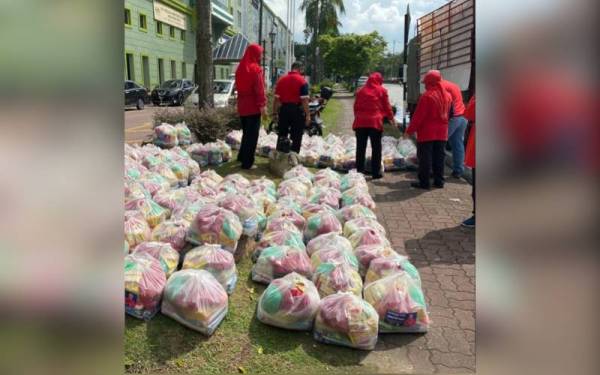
<point>450,246</point>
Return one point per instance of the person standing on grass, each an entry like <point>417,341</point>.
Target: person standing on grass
<point>290,107</point>
<point>456,128</point>
<point>470,156</point>
<point>430,122</point>
<point>371,106</point>
<point>251,102</point>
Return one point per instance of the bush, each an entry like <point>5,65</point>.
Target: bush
<point>326,82</point>
<point>207,125</point>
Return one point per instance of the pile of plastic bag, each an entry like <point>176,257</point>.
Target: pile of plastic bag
<point>251,217</point>
<point>346,319</point>
<point>184,135</point>
<point>278,238</point>
<point>172,232</point>
<point>385,266</point>
<point>321,223</point>
<point>357,195</point>
<point>352,226</point>
<point>165,135</point>
<point>195,299</point>
<point>163,252</point>
<point>137,229</point>
<point>214,153</point>
<point>355,211</point>
<point>330,278</point>
<point>277,261</point>
<point>328,240</point>
<point>399,302</point>
<point>144,283</point>
<point>214,259</point>
<point>334,255</point>
<point>234,139</point>
<point>366,253</point>
<point>215,225</point>
<point>289,302</point>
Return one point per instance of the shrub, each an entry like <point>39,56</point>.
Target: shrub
<point>326,82</point>
<point>207,125</point>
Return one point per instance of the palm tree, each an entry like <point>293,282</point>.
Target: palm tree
<point>321,18</point>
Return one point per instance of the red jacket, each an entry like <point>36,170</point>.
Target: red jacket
<point>250,83</point>
<point>470,151</point>
<point>372,105</point>
<point>457,100</point>
<point>430,120</point>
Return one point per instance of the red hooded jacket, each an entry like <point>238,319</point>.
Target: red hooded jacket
<point>430,120</point>
<point>249,82</point>
<point>372,104</point>
<point>457,100</point>
<point>470,151</point>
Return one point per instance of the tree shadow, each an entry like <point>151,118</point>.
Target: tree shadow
<point>454,245</point>
<point>395,191</point>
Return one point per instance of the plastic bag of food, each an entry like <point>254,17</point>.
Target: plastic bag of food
<point>144,283</point>
<point>368,236</point>
<point>282,224</point>
<point>153,182</point>
<point>151,161</point>
<point>327,178</point>
<point>354,225</point>
<point>278,238</point>
<point>137,229</point>
<point>234,183</point>
<point>277,261</point>
<point>214,259</point>
<point>321,223</point>
<point>195,299</point>
<point>165,135</point>
<point>399,302</point>
<point>355,211</point>
<point>251,218</point>
<point>126,247</point>
<point>181,171</point>
<point>152,211</point>
<point>165,171</point>
<point>134,171</point>
<point>353,179</point>
<point>290,214</point>
<point>406,147</point>
<point>189,211</point>
<point>134,191</point>
<point>212,176</point>
<point>215,225</point>
<point>383,267</point>
<point>366,253</point>
<point>184,135</point>
<point>328,240</point>
<point>347,320</point>
<point>265,185</point>
<point>330,278</point>
<point>172,232</point>
<point>309,209</point>
<point>163,252</point>
<point>290,302</point>
<point>262,200</point>
<point>333,255</point>
<point>234,139</point>
<point>170,199</point>
<point>357,195</point>
<point>326,195</point>
<point>298,171</point>
<point>286,202</point>
<point>295,187</point>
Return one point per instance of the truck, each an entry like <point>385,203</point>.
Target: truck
<point>445,41</point>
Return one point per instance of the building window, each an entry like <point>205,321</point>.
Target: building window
<point>239,19</point>
<point>159,29</point>
<point>146,71</point>
<point>129,64</point>
<point>183,35</point>
<point>143,22</point>
<point>171,31</point>
<point>183,70</point>
<point>161,71</point>
<point>127,17</point>
<point>173,69</point>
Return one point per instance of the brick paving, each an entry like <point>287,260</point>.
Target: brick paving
<point>425,226</point>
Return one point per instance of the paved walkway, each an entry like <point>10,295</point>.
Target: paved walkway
<point>425,226</point>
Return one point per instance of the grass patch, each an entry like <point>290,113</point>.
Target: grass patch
<point>233,166</point>
<point>331,116</point>
<point>391,130</point>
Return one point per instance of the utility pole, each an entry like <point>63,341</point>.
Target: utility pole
<point>260,17</point>
<point>204,58</point>
<point>404,62</point>
<point>314,78</point>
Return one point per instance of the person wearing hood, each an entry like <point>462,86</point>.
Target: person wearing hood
<point>251,102</point>
<point>371,106</point>
<point>430,122</point>
<point>456,128</point>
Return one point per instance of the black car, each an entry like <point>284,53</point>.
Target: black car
<point>135,95</point>
<point>174,91</point>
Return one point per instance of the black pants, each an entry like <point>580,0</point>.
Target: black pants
<point>362,135</point>
<point>473,189</point>
<point>250,128</point>
<point>291,122</point>
<point>431,156</point>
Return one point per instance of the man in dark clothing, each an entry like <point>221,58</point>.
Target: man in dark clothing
<point>290,107</point>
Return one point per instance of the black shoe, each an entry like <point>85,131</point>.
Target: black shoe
<point>417,185</point>
<point>438,186</point>
<point>456,175</point>
<point>377,177</point>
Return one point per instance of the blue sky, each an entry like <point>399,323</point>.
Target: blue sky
<point>365,16</point>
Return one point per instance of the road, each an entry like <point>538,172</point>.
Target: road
<point>395,93</point>
<point>138,124</point>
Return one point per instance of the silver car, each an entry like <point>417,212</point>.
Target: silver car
<point>223,96</point>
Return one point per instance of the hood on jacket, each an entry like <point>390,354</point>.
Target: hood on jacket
<point>248,67</point>
<point>375,79</point>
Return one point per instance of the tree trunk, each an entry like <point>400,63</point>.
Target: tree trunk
<point>315,76</point>
<point>204,62</point>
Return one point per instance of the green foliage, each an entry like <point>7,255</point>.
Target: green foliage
<point>207,124</point>
<point>352,55</point>
<point>328,15</point>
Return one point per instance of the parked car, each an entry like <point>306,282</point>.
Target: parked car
<point>174,92</point>
<point>360,83</point>
<point>224,94</point>
<point>135,95</point>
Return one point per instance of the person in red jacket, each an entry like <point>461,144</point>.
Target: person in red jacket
<point>251,101</point>
<point>430,122</point>
<point>371,106</point>
<point>456,128</point>
<point>470,156</point>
